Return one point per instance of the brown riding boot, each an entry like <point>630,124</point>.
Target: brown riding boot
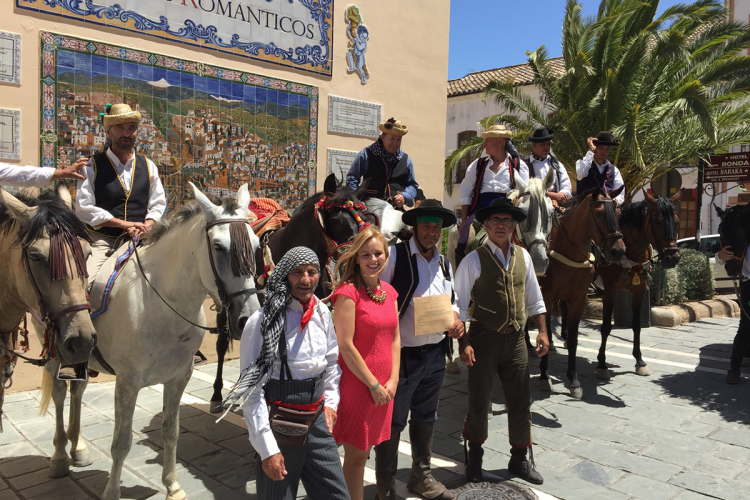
<point>421,481</point>
<point>386,465</point>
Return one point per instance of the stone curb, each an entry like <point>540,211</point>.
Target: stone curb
<point>678,314</point>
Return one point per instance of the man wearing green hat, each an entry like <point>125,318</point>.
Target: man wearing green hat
<point>496,288</point>
<point>417,270</point>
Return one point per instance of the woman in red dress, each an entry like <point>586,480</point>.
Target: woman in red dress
<point>366,321</point>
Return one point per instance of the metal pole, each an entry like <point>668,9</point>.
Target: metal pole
<point>699,202</point>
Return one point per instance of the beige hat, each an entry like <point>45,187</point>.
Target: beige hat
<point>497,131</point>
<point>394,127</point>
<point>121,113</point>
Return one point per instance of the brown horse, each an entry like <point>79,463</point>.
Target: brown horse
<point>592,218</point>
<point>647,225</point>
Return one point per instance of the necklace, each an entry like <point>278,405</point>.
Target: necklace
<point>377,298</point>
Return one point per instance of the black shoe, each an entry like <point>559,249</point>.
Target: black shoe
<point>473,462</point>
<point>523,467</point>
<point>733,377</point>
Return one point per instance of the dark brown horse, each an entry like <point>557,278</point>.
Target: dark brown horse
<point>649,228</point>
<point>592,219</point>
<point>324,229</point>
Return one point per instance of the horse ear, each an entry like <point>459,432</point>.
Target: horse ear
<point>651,199</point>
<point>330,185</point>
<point>614,194</point>
<point>549,179</point>
<point>62,192</point>
<point>209,209</point>
<point>17,209</point>
<point>522,184</point>
<point>243,198</point>
<point>721,213</point>
<point>676,197</point>
<point>361,191</point>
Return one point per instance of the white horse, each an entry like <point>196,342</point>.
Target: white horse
<point>534,232</point>
<point>390,218</point>
<point>144,342</point>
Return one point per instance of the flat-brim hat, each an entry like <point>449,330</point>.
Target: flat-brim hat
<point>501,206</point>
<point>497,131</point>
<point>429,208</point>
<point>605,139</point>
<point>121,113</point>
<point>543,134</point>
<point>393,127</point>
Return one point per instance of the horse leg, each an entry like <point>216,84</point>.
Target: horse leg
<point>170,430</point>
<point>640,366</point>
<point>79,452</point>
<point>575,312</point>
<point>126,394</point>
<point>608,304</point>
<point>222,345</point>
<point>58,464</point>
<point>564,321</point>
<point>545,383</point>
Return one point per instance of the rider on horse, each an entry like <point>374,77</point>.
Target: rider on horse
<point>542,159</point>
<point>17,175</point>
<point>605,176</point>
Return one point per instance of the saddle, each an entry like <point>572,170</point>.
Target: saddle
<point>270,216</point>
<point>102,285</point>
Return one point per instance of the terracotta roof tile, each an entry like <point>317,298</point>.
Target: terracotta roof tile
<point>521,74</point>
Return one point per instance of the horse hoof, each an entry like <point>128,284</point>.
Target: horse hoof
<point>58,469</point>
<point>216,407</point>
<point>177,495</point>
<point>576,392</point>
<point>643,371</point>
<point>602,374</point>
<point>452,367</point>
<point>81,458</point>
<point>545,384</point>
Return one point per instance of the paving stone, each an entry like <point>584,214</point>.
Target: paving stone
<point>131,486</point>
<point>735,453</point>
<point>645,488</point>
<point>23,416</point>
<point>691,460</point>
<point>138,446</point>
<point>595,473</point>
<point>206,427</point>
<point>637,464</point>
<point>15,467</point>
<point>219,462</point>
<point>3,485</point>
<point>192,480</point>
<point>30,479</point>
<point>59,488</point>
<point>647,434</point>
<point>553,459</point>
<point>691,495</point>
<point>239,445</point>
<point>732,437</point>
<point>9,434</point>
<point>8,495</point>
<point>96,467</point>
<point>726,489</point>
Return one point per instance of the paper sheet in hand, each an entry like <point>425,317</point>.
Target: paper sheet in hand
<point>432,314</point>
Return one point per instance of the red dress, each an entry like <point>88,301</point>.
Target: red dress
<point>360,422</point>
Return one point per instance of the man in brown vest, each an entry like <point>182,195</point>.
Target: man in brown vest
<point>496,288</point>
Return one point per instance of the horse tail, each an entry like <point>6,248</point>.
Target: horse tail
<point>46,392</point>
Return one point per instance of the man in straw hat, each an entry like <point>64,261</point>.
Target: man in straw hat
<point>496,288</point>
<point>122,192</point>
<point>604,174</point>
<point>289,361</point>
<point>542,160</point>
<point>488,178</point>
<point>389,169</point>
<point>416,269</point>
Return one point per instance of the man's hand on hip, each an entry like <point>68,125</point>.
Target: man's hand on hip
<point>331,418</point>
<point>274,468</point>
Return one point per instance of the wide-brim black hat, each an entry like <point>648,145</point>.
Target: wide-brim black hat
<point>605,139</point>
<point>501,206</point>
<point>542,134</point>
<point>429,208</point>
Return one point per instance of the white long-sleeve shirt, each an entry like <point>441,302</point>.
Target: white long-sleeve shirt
<point>471,268</point>
<point>745,263</point>
<point>86,208</point>
<point>18,175</point>
<point>542,167</point>
<point>431,282</point>
<point>584,165</point>
<point>309,353</point>
<point>491,182</point>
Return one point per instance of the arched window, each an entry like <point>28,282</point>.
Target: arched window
<point>463,138</point>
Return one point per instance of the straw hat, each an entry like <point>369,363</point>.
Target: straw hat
<point>394,127</point>
<point>497,131</point>
<point>121,113</point>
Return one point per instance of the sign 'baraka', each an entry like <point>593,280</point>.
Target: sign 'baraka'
<point>729,167</point>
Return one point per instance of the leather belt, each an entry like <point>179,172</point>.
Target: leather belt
<point>422,348</point>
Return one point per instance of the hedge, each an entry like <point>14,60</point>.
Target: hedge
<point>692,279</point>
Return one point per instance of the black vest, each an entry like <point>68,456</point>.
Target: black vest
<point>383,184</point>
<point>111,194</point>
<point>555,165</point>
<point>406,276</point>
<point>605,180</point>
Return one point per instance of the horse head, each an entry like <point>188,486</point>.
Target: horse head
<point>228,269</point>
<point>49,268</point>
<point>661,216</point>
<point>391,224</point>
<point>604,211</point>
<point>535,231</point>
<point>734,231</point>
<point>341,214</point>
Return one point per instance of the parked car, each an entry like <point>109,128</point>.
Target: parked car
<point>709,245</point>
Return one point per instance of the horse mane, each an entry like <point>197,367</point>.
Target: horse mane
<point>634,215</point>
<point>536,205</point>
<point>187,213</point>
<point>735,217</point>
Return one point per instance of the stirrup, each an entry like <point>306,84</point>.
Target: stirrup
<point>81,373</point>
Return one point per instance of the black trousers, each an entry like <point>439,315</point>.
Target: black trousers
<point>742,339</point>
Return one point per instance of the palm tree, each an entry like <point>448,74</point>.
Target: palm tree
<point>673,88</point>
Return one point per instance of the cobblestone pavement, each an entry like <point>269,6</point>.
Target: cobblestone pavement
<point>681,433</point>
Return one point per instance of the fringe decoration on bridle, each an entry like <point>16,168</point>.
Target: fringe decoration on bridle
<point>59,267</point>
<point>241,249</point>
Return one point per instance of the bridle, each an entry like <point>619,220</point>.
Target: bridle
<point>336,250</point>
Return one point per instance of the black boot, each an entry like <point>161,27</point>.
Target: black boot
<point>386,465</point>
<point>421,481</point>
<point>524,467</point>
<point>473,455</point>
<point>733,376</point>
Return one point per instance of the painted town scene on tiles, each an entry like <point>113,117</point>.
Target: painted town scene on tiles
<point>215,127</point>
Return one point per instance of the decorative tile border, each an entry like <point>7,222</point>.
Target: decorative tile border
<point>10,57</point>
<point>216,25</point>
<point>10,134</point>
<point>239,140</point>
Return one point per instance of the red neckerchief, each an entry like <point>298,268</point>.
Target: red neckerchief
<point>308,312</point>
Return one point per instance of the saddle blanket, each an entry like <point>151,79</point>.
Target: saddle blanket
<point>105,278</point>
<point>270,215</point>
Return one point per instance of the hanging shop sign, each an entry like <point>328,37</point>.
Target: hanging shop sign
<point>293,33</point>
<point>729,167</point>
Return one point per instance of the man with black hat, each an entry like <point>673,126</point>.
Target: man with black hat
<point>496,288</point>
<point>542,159</point>
<point>604,174</point>
<point>389,169</point>
<point>416,269</point>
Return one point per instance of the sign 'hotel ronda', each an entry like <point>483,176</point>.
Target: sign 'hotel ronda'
<point>293,33</point>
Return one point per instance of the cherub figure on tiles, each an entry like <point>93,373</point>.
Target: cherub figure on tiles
<point>358,36</point>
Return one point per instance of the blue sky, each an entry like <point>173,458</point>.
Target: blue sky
<point>488,34</point>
